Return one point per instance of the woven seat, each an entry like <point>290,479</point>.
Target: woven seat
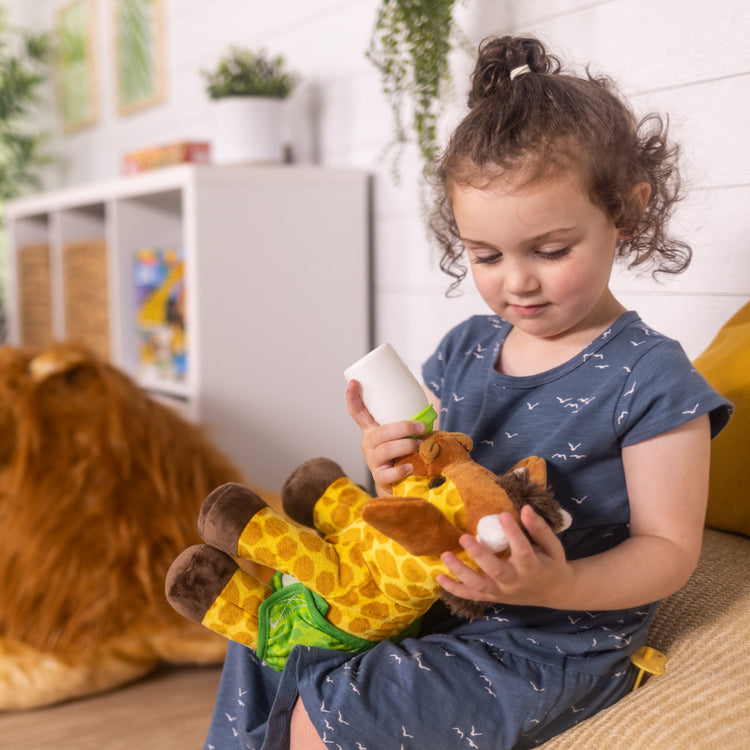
<point>703,700</point>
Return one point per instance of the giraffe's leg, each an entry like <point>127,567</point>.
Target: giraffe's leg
<point>207,586</point>
<point>318,494</point>
<point>225,513</point>
<point>305,486</point>
<point>235,520</point>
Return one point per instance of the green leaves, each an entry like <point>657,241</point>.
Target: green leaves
<point>410,45</point>
<point>23,67</point>
<point>246,73</point>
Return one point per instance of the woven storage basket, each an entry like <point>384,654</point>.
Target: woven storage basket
<point>85,294</point>
<point>35,304</point>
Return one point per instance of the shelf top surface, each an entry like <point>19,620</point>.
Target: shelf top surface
<point>178,177</point>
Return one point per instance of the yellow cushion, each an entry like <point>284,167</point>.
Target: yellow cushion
<point>726,366</point>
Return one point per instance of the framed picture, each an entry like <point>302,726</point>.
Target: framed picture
<point>75,68</point>
<point>139,54</point>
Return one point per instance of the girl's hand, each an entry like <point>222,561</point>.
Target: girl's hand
<point>383,444</point>
<point>535,573</point>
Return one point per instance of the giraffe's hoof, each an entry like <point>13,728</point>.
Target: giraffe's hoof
<point>196,578</point>
<point>225,513</point>
<point>306,485</point>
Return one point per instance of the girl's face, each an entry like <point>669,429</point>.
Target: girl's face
<point>540,255</point>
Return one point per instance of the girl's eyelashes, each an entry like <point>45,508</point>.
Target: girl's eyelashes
<point>489,258</point>
<point>495,257</point>
<point>553,254</point>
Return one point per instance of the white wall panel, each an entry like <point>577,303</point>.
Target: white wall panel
<point>689,58</point>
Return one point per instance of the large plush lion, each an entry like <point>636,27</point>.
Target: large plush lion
<point>99,490</point>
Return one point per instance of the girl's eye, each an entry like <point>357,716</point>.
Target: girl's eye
<point>553,254</point>
<point>489,258</point>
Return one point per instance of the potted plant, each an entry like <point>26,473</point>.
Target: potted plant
<point>247,89</point>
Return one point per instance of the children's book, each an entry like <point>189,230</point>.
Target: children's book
<point>160,314</point>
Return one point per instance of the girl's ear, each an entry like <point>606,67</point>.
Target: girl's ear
<point>641,194</point>
<point>636,207</point>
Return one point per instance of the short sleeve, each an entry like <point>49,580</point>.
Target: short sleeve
<point>663,391</point>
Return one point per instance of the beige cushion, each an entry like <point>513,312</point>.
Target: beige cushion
<point>703,700</point>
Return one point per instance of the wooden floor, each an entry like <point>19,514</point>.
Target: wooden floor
<point>169,709</point>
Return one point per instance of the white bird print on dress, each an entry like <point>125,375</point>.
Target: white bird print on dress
<point>418,658</point>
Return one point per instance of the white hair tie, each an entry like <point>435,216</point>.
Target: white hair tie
<point>519,71</point>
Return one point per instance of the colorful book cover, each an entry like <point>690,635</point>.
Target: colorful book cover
<point>183,152</point>
<point>160,314</point>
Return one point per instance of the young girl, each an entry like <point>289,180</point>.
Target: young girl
<point>548,179</point>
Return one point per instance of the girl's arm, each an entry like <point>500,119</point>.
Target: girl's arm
<point>667,481</point>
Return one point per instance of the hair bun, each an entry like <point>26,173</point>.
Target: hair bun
<point>499,56</point>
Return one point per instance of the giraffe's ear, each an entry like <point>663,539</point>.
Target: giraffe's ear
<point>537,468</point>
<point>418,526</point>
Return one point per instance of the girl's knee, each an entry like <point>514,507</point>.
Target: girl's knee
<point>303,735</point>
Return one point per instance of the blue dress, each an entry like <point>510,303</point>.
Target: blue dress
<point>518,675</point>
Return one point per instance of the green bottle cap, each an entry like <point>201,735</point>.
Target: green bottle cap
<point>428,415</point>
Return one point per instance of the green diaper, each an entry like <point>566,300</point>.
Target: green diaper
<point>294,615</point>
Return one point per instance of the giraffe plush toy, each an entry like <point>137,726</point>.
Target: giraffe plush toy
<point>351,569</point>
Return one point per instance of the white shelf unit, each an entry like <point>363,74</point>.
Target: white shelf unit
<point>277,289</point>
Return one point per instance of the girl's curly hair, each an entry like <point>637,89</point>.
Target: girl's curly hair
<point>546,122</point>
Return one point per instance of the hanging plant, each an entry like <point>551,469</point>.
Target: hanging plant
<point>410,45</point>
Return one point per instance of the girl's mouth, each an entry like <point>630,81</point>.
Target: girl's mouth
<point>528,311</point>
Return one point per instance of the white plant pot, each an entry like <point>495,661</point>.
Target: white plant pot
<point>247,129</point>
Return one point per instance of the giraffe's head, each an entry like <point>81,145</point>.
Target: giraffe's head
<point>449,494</point>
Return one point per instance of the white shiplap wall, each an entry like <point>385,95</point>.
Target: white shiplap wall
<point>690,58</point>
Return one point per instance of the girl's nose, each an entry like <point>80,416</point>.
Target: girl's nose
<point>519,278</point>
